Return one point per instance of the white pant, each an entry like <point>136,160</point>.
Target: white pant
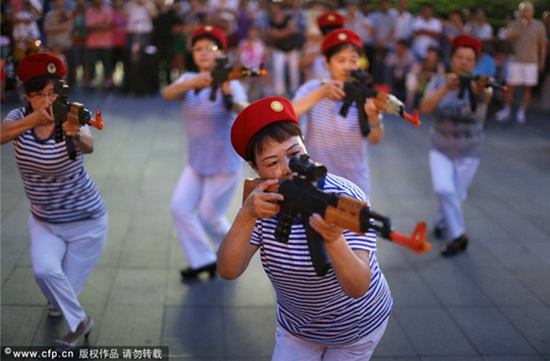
<point>451,179</point>
<point>291,348</point>
<point>210,196</point>
<point>63,258</point>
<point>280,58</point>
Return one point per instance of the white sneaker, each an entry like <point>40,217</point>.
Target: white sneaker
<point>503,114</point>
<point>520,116</point>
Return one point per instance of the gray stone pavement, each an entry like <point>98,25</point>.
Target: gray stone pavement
<point>491,303</point>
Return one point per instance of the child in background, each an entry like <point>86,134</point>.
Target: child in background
<point>252,55</point>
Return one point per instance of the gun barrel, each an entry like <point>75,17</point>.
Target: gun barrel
<point>415,242</point>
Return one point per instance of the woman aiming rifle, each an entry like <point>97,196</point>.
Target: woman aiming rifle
<point>332,139</point>
<point>458,108</point>
<point>68,220</point>
<point>339,316</point>
<point>207,183</point>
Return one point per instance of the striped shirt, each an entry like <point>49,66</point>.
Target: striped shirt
<point>456,130</point>
<point>58,188</point>
<point>208,127</point>
<point>316,308</point>
<point>333,140</point>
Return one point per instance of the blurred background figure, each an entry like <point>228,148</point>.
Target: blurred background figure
<point>252,54</point>
<point>427,31</point>
<point>420,75</point>
<point>284,33</point>
<point>58,26</point>
<point>528,38</point>
<point>99,43</point>
<point>120,20</point>
<point>141,68</point>
<point>403,21</point>
<point>77,58</point>
<point>478,26</point>
<point>398,65</point>
<point>452,27</point>
<point>384,21</point>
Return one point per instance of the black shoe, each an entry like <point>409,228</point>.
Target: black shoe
<point>71,339</point>
<point>440,232</point>
<point>457,245</point>
<point>193,273</point>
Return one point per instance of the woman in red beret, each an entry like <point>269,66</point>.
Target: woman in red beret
<point>331,139</point>
<point>339,316</point>
<point>207,183</point>
<point>68,220</point>
<point>312,62</point>
<point>458,109</point>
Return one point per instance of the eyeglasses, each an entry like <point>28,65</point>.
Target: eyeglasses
<point>210,48</point>
<point>50,95</point>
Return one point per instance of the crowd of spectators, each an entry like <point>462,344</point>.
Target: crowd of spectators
<point>141,45</point>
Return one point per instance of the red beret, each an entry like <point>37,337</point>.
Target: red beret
<point>39,64</point>
<point>466,40</point>
<point>257,116</point>
<point>340,36</point>
<point>331,18</point>
<point>212,32</point>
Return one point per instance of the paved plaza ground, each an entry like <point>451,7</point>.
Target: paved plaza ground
<point>491,303</point>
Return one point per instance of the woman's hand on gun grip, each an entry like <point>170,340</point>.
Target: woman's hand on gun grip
<point>334,89</point>
<point>226,88</point>
<point>203,80</point>
<point>481,90</point>
<point>72,129</point>
<point>43,116</point>
<point>329,231</point>
<point>261,203</point>
<point>452,82</point>
<point>372,111</point>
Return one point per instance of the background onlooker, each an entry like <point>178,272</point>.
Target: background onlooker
<point>427,31</point>
<point>528,38</point>
<point>77,57</point>
<point>99,43</point>
<point>398,65</point>
<point>58,26</point>
<point>452,27</point>
<point>384,36</point>
<point>285,36</point>
<point>478,25</point>
<point>421,74</point>
<point>403,21</point>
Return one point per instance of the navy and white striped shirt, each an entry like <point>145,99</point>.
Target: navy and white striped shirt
<point>335,141</point>
<point>58,188</point>
<point>208,126</point>
<point>316,308</point>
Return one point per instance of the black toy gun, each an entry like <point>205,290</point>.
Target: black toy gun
<point>360,87</point>
<point>465,81</point>
<point>64,111</point>
<point>302,198</point>
<point>223,72</point>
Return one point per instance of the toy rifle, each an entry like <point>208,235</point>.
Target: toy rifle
<point>465,81</point>
<point>64,111</point>
<point>302,198</point>
<point>223,72</point>
<point>360,87</point>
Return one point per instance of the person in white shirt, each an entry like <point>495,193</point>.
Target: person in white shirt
<point>427,31</point>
